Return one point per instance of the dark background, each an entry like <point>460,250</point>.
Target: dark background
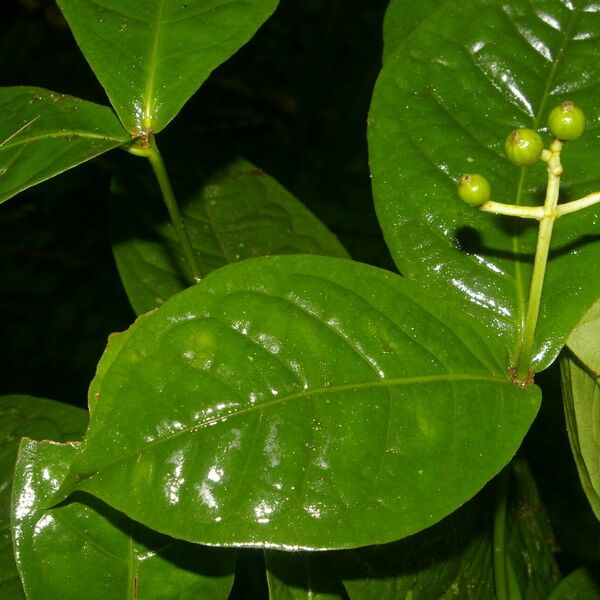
<point>294,101</point>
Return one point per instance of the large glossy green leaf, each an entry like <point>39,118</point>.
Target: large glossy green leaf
<point>240,212</point>
<point>152,55</point>
<point>454,558</point>
<point>581,396</point>
<point>36,418</point>
<point>286,395</point>
<point>582,584</point>
<point>44,133</point>
<point>118,557</point>
<point>443,105</point>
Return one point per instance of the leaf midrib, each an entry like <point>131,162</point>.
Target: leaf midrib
<point>62,134</point>
<point>152,67</point>
<point>384,383</point>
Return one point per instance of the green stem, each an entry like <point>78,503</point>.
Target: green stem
<point>523,365</point>
<point>513,210</point>
<point>499,552</point>
<point>575,205</point>
<point>153,155</point>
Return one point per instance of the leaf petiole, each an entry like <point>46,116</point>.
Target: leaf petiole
<point>146,147</point>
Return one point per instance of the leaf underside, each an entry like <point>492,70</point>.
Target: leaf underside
<point>239,212</point>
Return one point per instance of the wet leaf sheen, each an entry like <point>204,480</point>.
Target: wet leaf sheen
<point>284,396</point>
<point>119,558</point>
<point>446,99</point>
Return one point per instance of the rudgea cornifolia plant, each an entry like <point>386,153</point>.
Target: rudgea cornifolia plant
<point>292,403</point>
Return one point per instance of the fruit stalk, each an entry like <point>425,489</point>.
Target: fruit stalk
<point>523,365</point>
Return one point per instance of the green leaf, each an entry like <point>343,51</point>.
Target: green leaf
<point>402,19</point>
<point>302,576</point>
<point>152,55</point>
<point>44,133</point>
<point>240,212</point>
<point>283,396</point>
<point>581,396</point>
<point>115,344</point>
<point>532,568</point>
<point>120,558</point>
<point>37,418</point>
<point>583,340</point>
<point>580,584</point>
<point>443,105</point>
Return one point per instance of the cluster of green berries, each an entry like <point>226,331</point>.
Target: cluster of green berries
<point>524,147</point>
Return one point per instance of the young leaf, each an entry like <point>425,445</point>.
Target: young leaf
<point>44,133</point>
<point>302,576</point>
<point>240,212</point>
<point>36,418</point>
<point>443,106</point>
<point>581,396</point>
<point>152,55</point>
<point>283,396</point>
<point>120,558</point>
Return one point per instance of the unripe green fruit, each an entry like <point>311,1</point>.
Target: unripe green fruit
<point>567,121</point>
<point>474,189</point>
<point>524,147</point>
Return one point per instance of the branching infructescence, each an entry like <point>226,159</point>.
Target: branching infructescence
<point>524,147</point>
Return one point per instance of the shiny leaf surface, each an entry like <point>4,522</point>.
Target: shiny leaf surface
<point>44,133</point>
<point>443,105</point>
<point>120,558</point>
<point>578,585</point>
<point>302,576</point>
<point>284,395</point>
<point>581,396</point>
<point>35,418</point>
<point>152,55</point>
<point>239,213</point>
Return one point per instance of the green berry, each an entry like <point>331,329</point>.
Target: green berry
<point>567,121</point>
<point>524,147</point>
<point>474,189</point>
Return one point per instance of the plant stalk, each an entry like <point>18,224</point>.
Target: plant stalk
<point>539,266</point>
<point>499,535</point>
<point>158,166</point>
